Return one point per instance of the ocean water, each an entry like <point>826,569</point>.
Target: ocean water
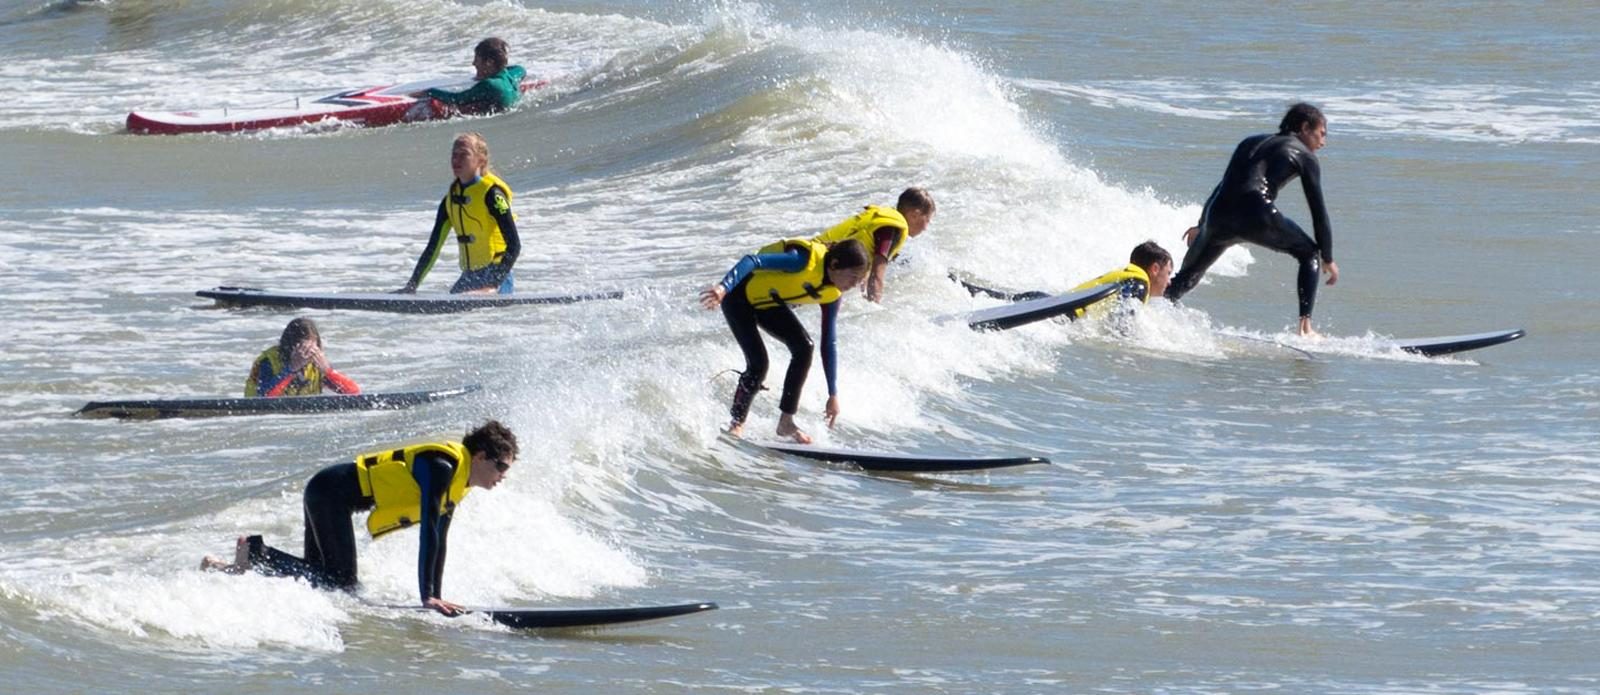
<point>1226,512</point>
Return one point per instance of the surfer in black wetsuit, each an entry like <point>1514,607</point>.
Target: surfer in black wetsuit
<point>1243,208</point>
<point>414,485</point>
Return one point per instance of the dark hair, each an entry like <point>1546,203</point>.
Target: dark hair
<point>914,198</point>
<point>492,439</point>
<point>1298,116</point>
<point>298,331</point>
<point>495,51</point>
<point>1148,254</point>
<point>845,255</point>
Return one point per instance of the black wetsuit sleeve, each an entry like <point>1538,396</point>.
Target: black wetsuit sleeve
<point>441,229</point>
<point>1311,181</point>
<point>499,205</point>
<point>433,473</point>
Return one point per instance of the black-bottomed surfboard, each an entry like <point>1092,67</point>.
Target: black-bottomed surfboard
<point>428,303</point>
<point>536,618</point>
<point>287,405</point>
<point>902,462</point>
<point>1447,344</point>
<point>1007,316</point>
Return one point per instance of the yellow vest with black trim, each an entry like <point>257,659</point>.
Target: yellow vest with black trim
<point>396,498</point>
<point>467,212</point>
<point>1123,276</point>
<point>767,289</point>
<point>861,227</point>
<point>307,383</point>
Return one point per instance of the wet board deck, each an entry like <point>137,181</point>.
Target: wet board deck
<point>288,405</point>
<point>430,303</point>
<point>369,107</point>
<point>1007,316</point>
<point>903,462</point>
<point>550,618</point>
<point>1449,344</point>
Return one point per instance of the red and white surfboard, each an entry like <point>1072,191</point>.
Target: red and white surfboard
<point>369,107</point>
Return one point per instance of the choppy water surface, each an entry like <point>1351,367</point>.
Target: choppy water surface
<point>1226,512</point>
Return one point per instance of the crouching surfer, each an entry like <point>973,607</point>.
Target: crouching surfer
<point>418,485</point>
<point>755,295</point>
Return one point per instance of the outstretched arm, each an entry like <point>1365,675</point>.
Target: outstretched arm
<point>441,229</point>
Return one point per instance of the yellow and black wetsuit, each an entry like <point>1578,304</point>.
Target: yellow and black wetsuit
<point>486,235</point>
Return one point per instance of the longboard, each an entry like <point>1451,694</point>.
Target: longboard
<point>1008,316</point>
<point>368,106</point>
<point>903,463</point>
<point>535,618</point>
<point>212,407</point>
<point>1448,344</point>
<point>394,303</point>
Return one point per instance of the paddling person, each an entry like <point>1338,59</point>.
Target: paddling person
<point>295,366</point>
<point>478,208</point>
<point>498,86</point>
<point>418,485</point>
<point>1243,208</point>
<point>1147,273</point>
<point>882,232</point>
<point>756,293</point>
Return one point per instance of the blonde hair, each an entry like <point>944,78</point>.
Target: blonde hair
<point>479,147</point>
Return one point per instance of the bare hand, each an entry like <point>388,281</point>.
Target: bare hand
<point>712,298</point>
<point>1332,270</point>
<point>874,288</point>
<point>831,411</point>
<point>1189,235</point>
<point>445,607</point>
<point>300,357</point>
<point>319,359</point>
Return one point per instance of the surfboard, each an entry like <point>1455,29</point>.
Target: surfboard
<point>288,405</point>
<point>901,462</point>
<point>546,618</point>
<point>369,107</point>
<point>1008,316</point>
<point>1448,344</point>
<point>427,303</point>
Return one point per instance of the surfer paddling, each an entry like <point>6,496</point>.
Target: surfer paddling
<point>295,366</point>
<point>1146,274</point>
<point>1243,208</point>
<point>418,485</point>
<point>883,231</point>
<point>755,295</point>
<point>478,208</point>
<point>498,86</point>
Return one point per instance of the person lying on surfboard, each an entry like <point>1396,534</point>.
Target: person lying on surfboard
<point>478,207</point>
<point>756,294</point>
<point>498,88</point>
<point>295,366</point>
<point>418,485</point>
<point>883,231</point>
<point>1146,274</point>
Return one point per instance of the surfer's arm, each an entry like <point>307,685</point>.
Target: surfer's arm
<point>340,382</point>
<point>1311,182</point>
<point>432,473</point>
<point>441,228</point>
<point>788,261</point>
<point>830,352</point>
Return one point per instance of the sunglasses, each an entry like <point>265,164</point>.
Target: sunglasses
<point>502,466</point>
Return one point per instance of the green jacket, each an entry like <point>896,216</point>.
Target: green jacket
<point>496,92</point>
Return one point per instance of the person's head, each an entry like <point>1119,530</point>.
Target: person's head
<point>1306,122</point>
<point>299,331</point>
<point>917,206</point>
<point>846,263</point>
<point>1157,263</point>
<point>494,449</point>
<point>491,56</point>
<point>469,157</point>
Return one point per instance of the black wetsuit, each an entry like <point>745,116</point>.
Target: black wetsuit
<point>332,495</point>
<point>1243,208</point>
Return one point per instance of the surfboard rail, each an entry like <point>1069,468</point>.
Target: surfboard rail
<point>152,409</point>
<point>423,303</point>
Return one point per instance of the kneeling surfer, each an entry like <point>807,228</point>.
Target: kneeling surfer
<point>756,293</point>
<point>413,485</point>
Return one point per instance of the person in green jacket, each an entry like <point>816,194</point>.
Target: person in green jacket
<point>499,83</point>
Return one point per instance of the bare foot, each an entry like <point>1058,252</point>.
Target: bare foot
<point>736,429</point>
<point>787,428</point>
<point>211,563</point>
<point>241,559</point>
<point>1306,331</point>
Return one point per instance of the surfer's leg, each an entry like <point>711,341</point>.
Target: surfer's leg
<point>742,321</point>
<point>1205,250</point>
<point>330,541</point>
<point>1284,236</point>
<point>781,323</point>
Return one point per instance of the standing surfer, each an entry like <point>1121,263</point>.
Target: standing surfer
<point>478,207</point>
<point>1243,208</point>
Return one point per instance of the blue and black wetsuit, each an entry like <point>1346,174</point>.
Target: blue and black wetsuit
<point>1243,208</point>
<point>779,321</point>
<point>332,495</point>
